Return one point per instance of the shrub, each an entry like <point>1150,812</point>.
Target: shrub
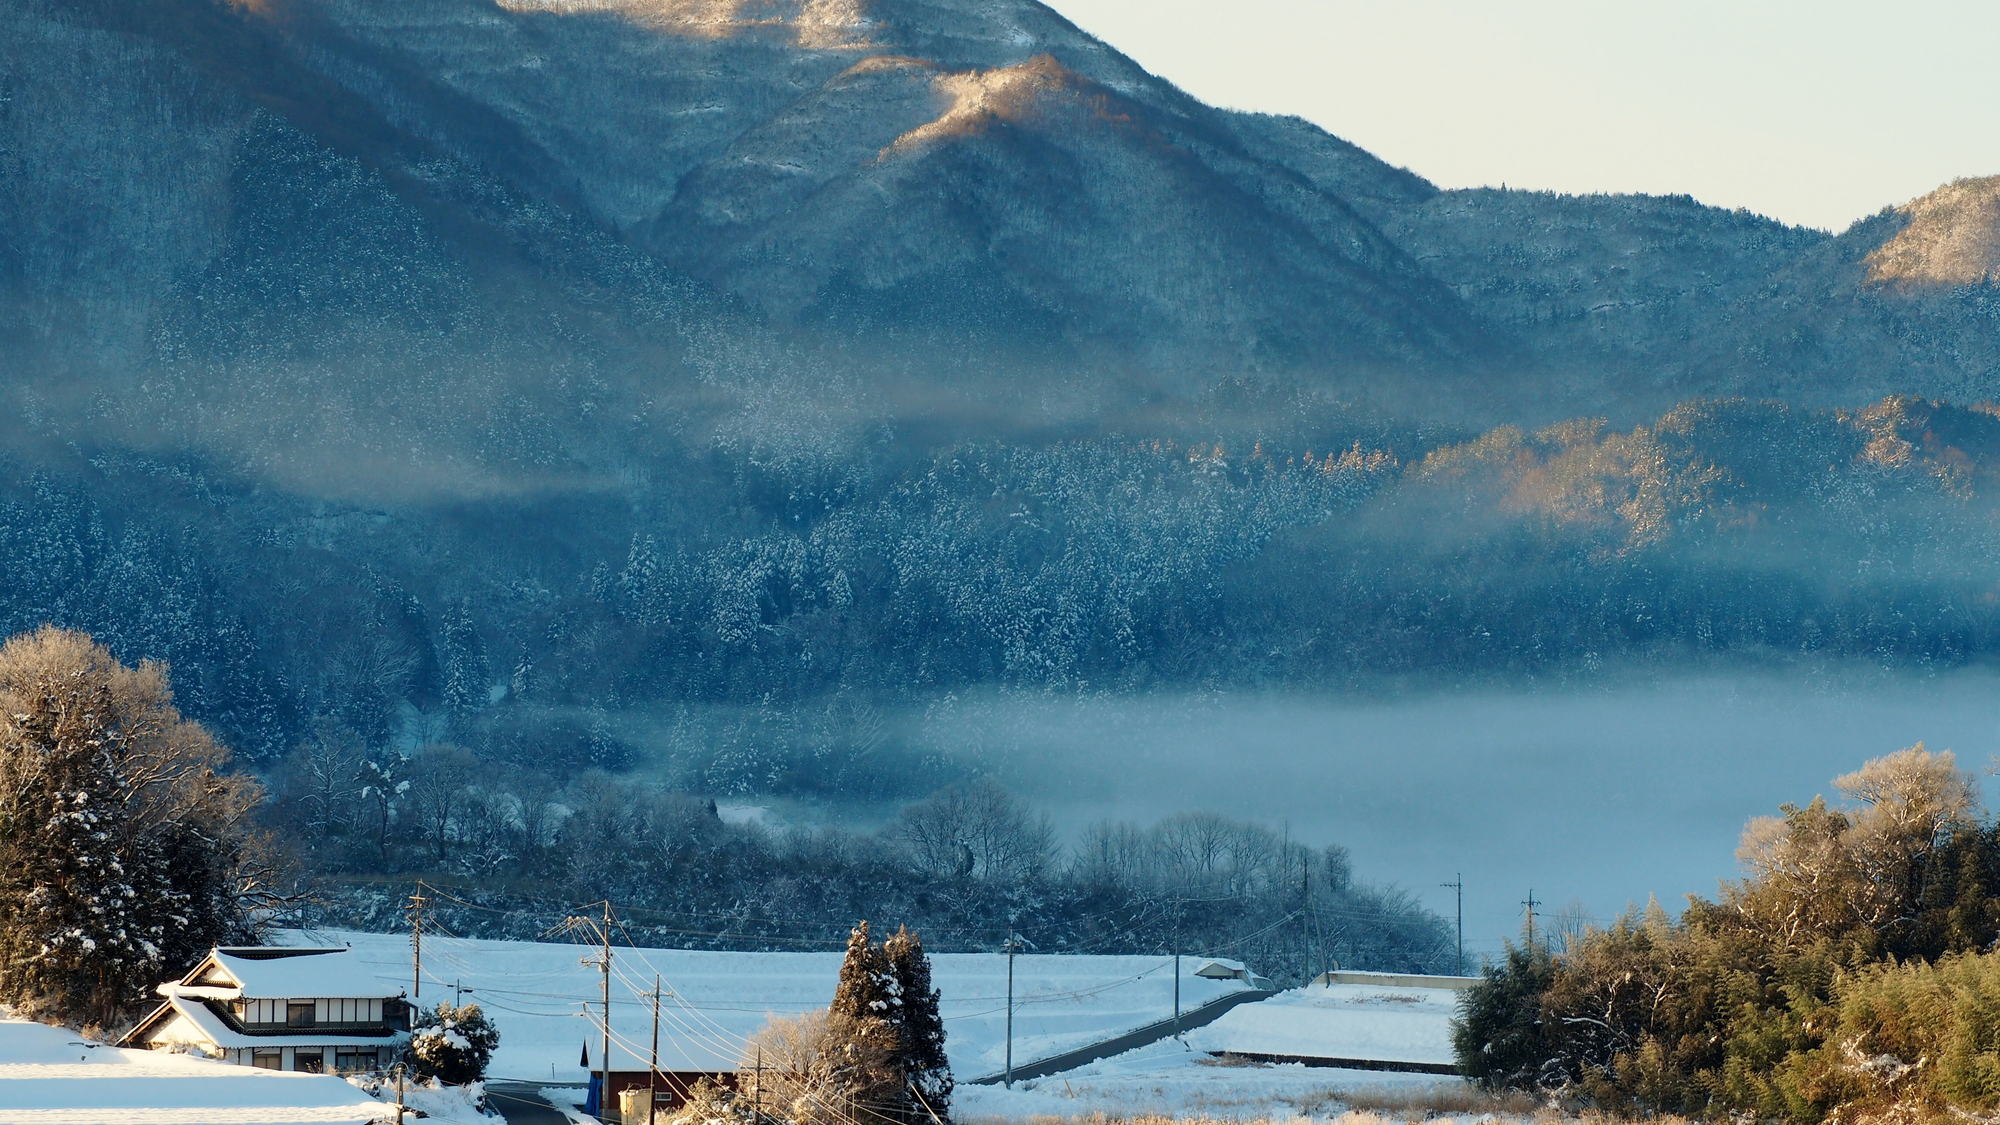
<point>452,1044</point>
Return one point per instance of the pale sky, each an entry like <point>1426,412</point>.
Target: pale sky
<point>1815,113</point>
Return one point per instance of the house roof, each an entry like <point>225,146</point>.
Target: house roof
<point>214,1029</point>
<point>255,974</point>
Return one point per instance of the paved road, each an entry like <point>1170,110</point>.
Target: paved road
<point>1119,1044</point>
<point>521,1103</point>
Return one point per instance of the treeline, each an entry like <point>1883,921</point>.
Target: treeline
<point>506,854</point>
<point>1851,973</point>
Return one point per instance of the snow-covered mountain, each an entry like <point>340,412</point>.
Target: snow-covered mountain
<point>478,235</point>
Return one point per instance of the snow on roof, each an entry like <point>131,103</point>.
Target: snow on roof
<point>46,1074</point>
<point>213,1030</point>
<point>320,973</point>
<point>1339,1021</point>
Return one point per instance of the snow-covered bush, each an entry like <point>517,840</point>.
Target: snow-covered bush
<point>452,1044</point>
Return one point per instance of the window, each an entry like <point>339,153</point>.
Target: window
<point>347,1061</point>
<point>310,1062</point>
<point>267,1060</point>
<point>299,1015</point>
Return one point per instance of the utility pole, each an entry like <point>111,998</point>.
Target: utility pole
<point>1458,884</point>
<point>604,1088</point>
<point>1177,968</point>
<point>757,1107</point>
<point>603,963</point>
<point>417,942</point>
<point>653,1078</point>
<point>1531,904</point>
<point>1012,948</point>
<point>1305,919</point>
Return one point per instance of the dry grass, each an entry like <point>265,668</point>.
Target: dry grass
<point>1367,1106</point>
<point>1421,1103</point>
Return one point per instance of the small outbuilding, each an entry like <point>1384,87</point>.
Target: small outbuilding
<point>318,1011</point>
<point>1219,969</point>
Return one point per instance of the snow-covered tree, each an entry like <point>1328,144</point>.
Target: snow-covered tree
<point>452,1043</point>
<point>123,847</point>
<point>919,1028</point>
<point>875,1054</point>
<point>464,669</point>
<point>853,1070</point>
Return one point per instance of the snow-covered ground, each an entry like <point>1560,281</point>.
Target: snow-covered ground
<point>48,1076</point>
<point>1184,1079</point>
<point>1340,1021</point>
<point>438,1102</point>
<point>535,992</point>
<point>1176,1080</point>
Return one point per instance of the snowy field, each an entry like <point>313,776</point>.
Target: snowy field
<point>535,992</point>
<point>1176,1080</point>
<point>1184,1079</point>
<point>1339,1021</point>
<point>47,1077</point>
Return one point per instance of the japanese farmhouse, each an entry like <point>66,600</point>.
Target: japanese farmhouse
<point>313,1010</point>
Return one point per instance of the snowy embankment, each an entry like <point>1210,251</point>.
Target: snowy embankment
<point>48,1076</point>
<point>536,991</point>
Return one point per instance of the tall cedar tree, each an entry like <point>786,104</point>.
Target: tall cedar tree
<point>920,1028</point>
<point>123,847</point>
<point>863,1057</point>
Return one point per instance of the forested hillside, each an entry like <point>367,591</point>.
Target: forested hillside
<point>761,628</point>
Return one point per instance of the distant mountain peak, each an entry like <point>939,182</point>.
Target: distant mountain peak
<point>980,97</point>
<point>1952,238</point>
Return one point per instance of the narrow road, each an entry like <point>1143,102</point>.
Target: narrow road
<point>1119,1044</point>
<point>521,1103</point>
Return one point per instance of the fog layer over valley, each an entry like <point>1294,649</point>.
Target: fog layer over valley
<point>1587,797</point>
<point>644,403</point>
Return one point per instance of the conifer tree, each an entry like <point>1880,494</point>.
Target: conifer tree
<point>919,1027</point>
<point>867,989</point>
<point>83,927</point>
<point>462,654</point>
<point>862,1059</point>
<point>123,848</point>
